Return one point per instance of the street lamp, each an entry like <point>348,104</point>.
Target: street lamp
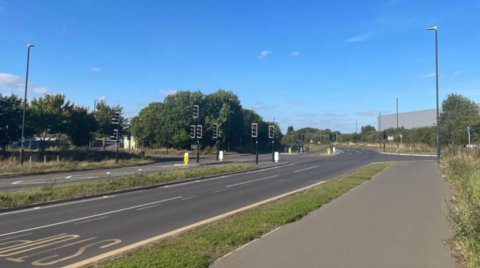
<point>397,125</point>
<point>25,105</point>
<point>436,77</point>
<point>228,148</point>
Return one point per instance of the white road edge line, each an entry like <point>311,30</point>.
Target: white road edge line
<point>305,169</point>
<point>236,184</point>
<point>190,197</point>
<point>68,177</point>
<point>270,232</point>
<point>89,217</point>
<point>17,182</point>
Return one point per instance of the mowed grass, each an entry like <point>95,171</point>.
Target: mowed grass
<point>202,246</point>
<point>67,191</point>
<point>462,170</point>
<point>10,167</point>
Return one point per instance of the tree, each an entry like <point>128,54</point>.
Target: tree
<point>148,126</point>
<point>459,112</point>
<point>10,119</point>
<point>49,115</point>
<point>81,127</point>
<point>104,115</point>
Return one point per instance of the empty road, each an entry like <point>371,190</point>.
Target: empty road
<point>64,234</point>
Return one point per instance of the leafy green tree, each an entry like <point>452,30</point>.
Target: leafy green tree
<point>148,127</point>
<point>81,127</point>
<point>10,119</point>
<point>49,115</point>
<point>104,115</point>
<point>459,112</point>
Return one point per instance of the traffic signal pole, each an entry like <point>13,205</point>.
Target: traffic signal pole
<point>273,151</point>
<point>256,151</point>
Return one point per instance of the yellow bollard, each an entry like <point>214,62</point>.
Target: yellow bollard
<point>289,150</point>
<point>185,158</point>
<point>328,151</point>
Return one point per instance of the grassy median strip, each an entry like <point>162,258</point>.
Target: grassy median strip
<point>202,246</point>
<point>462,170</point>
<point>68,191</point>
<point>9,167</point>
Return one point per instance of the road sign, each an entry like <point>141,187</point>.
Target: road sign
<point>468,129</point>
<point>193,146</point>
<point>390,138</point>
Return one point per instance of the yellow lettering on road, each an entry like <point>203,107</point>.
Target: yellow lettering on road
<point>78,253</point>
<point>12,237</point>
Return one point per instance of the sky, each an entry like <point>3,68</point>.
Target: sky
<point>322,64</point>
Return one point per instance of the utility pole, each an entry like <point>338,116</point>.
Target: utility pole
<point>436,78</point>
<point>228,138</point>
<point>22,152</point>
<point>255,135</point>
<point>398,145</point>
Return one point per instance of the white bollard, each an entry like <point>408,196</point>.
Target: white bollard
<point>276,157</point>
<point>333,149</point>
<point>220,155</point>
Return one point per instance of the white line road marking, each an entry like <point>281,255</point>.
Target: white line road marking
<point>246,245</point>
<point>356,151</point>
<point>149,207</point>
<point>190,197</point>
<point>180,184</point>
<point>305,169</point>
<point>270,232</point>
<point>17,182</point>
<point>97,219</point>
<point>218,191</point>
<point>228,186</point>
<point>68,177</point>
<point>92,216</point>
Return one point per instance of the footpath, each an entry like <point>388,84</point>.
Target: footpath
<point>395,220</point>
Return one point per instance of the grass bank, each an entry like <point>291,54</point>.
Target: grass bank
<point>316,147</point>
<point>10,167</point>
<point>462,170</point>
<point>406,148</point>
<point>67,191</point>
<point>202,246</point>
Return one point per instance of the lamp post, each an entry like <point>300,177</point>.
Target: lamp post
<point>228,148</point>
<point>436,78</point>
<point>22,152</point>
<point>397,125</point>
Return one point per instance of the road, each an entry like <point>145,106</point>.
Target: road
<point>38,180</point>
<point>63,234</point>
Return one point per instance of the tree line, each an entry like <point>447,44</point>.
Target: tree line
<point>54,115</point>
<point>167,123</point>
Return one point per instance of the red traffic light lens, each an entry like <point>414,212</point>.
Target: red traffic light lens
<point>254,126</point>
<point>271,128</point>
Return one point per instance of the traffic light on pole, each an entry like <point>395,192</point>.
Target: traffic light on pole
<point>384,135</point>
<point>192,131</point>
<point>254,130</point>
<point>196,111</point>
<point>115,135</point>
<point>116,119</point>
<point>271,132</point>
<point>331,137</point>
<point>215,130</point>
<point>303,137</point>
<point>199,131</point>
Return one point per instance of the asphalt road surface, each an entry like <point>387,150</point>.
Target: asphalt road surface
<point>63,234</point>
<point>38,180</point>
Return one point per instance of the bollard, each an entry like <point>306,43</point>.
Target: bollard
<point>30,159</point>
<point>276,157</point>
<point>44,159</point>
<point>220,155</point>
<point>185,158</point>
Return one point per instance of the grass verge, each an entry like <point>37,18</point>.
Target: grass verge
<point>68,191</point>
<point>9,167</point>
<point>202,246</point>
<point>462,170</point>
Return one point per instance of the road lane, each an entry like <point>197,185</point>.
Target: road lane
<point>108,224</point>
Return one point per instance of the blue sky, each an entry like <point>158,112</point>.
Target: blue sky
<point>312,63</point>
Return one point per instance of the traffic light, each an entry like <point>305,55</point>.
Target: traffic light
<point>192,131</point>
<point>384,135</point>
<point>116,119</point>
<point>115,135</point>
<point>271,132</point>
<point>199,131</point>
<point>299,137</point>
<point>330,138</point>
<point>303,137</point>
<point>196,111</point>
<point>215,130</point>
<point>254,130</point>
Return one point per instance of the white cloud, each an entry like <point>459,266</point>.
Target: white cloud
<point>264,54</point>
<point>428,75</point>
<point>295,53</point>
<point>262,107</point>
<point>93,69</point>
<point>102,98</point>
<point>457,72</point>
<point>16,85</point>
<point>367,112</point>
<point>167,92</point>
<point>360,38</point>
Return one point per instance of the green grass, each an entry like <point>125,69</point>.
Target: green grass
<point>316,147</point>
<point>202,246</point>
<point>409,149</point>
<point>462,170</point>
<point>67,191</point>
<point>10,166</point>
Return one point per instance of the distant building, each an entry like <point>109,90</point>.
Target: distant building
<point>128,143</point>
<point>409,120</point>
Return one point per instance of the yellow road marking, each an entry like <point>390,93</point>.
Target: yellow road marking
<point>28,247</point>
<point>148,207</point>
<point>15,237</point>
<point>183,229</point>
<point>26,242</point>
<point>22,259</point>
<point>96,219</point>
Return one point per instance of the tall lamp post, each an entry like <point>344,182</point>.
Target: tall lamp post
<point>22,151</point>
<point>228,148</point>
<point>398,138</point>
<point>436,78</point>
